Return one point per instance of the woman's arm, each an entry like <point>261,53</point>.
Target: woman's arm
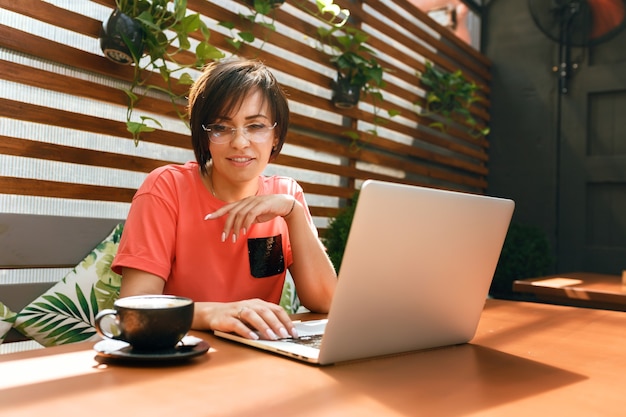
<point>137,282</point>
<point>312,271</point>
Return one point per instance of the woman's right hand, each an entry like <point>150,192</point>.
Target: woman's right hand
<point>256,209</point>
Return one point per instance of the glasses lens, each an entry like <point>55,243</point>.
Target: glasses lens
<point>256,132</point>
<point>219,133</point>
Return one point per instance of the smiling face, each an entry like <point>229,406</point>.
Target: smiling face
<point>220,91</point>
<point>238,163</point>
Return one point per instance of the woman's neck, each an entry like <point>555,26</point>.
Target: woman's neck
<point>228,191</point>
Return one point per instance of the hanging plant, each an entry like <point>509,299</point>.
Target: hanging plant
<point>358,74</point>
<point>358,70</point>
<point>450,94</point>
<point>164,24</point>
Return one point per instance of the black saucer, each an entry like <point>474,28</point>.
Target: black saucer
<point>121,351</point>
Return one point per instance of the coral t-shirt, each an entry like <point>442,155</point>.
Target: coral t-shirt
<point>165,234</point>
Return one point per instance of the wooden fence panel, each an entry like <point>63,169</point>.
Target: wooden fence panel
<point>58,82</point>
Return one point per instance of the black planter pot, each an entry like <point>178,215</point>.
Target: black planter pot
<point>117,33</point>
<point>345,95</point>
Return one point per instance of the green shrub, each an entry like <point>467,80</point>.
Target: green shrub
<point>336,235</point>
<point>526,254</point>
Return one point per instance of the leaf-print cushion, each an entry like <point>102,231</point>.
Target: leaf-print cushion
<point>65,313</point>
<point>289,299</point>
<point>7,318</point>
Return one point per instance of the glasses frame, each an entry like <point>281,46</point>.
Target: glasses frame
<point>233,131</point>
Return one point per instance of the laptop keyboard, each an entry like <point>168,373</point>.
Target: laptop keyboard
<point>313,341</point>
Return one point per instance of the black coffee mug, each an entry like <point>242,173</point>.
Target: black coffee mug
<point>147,322</point>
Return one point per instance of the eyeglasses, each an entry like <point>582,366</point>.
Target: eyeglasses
<point>256,132</point>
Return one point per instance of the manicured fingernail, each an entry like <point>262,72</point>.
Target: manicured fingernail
<point>208,216</point>
<point>294,333</point>
<point>244,231</point>
<point>234,238</point>
<point>283,333</point>
<point>271,335</point>
<point>223,236</point>
<point>253,336</point>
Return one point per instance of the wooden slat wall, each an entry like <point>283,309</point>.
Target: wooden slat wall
<point>405,150</point>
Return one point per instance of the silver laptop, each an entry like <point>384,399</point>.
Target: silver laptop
<point>415,275</point>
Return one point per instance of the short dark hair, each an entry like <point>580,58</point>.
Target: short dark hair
<point>220,91</point>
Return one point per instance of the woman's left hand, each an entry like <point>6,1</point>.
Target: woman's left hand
<point>256,209</point>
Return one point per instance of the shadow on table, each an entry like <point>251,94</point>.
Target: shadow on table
<point>452,381</point>
<point>455,380</point>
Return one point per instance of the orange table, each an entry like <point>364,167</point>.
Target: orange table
<point>583,289</point>
<point>527,359</point>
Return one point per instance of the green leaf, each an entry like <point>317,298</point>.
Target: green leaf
<point>56,302</point>
<point>268,26</point>
<point>180,7</point>
<point>35,321</point>
<point>206,52</point>
<point>105,294</point>
<point>6,314</point>
<point>191,23</point>
<point>227,25</point>
<point>136,127</point>
<point>183,41</point>
<point>74,336</point>
<point>93,299</point>
<point>323,32</point>
<point>131,95</point>
<point>438,125</point>
<point>247,36</point>
<point>70,306</point>
<point>84,304</point>
<point>234,43</point>
<point>51,324</point>
<point>185,79</point>
<point>262,7</point>
<point>64,331</point>
<point>288,294</point>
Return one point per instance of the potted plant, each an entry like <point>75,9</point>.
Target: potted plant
<point>164,23</point>
<point>358,71</point>
<point>450,94</point>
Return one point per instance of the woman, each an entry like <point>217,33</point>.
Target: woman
<point>216,230</point>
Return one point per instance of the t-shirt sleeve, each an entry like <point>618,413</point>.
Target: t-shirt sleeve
<point>149,236</point>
